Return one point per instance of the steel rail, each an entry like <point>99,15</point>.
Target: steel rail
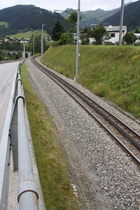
<point>90,102</point>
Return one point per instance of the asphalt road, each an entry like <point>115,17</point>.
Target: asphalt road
<point>7,75</point>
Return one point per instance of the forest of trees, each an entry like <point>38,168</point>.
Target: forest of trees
<point>22,18</point>
<point>28,17</point>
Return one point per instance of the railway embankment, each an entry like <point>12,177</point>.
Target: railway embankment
<point>101,174</point>
<point>111,72</point>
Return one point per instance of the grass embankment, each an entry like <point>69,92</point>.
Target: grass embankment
<point>108,71</point>
<point>53,172</point>
<point>28,34</point>
<point>3,23</point>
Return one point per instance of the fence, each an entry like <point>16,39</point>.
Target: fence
<point>15,138</point>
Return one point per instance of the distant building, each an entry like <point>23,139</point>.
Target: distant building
<point>12,39</point>
<point>114,32</point>
<point>137,36</point>
<point>24,40</point>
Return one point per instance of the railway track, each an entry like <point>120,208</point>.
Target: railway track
<point>124,135</point>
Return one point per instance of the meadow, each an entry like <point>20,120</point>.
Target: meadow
<point>111,72</point>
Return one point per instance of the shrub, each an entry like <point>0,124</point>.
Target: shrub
<point>65,39</point>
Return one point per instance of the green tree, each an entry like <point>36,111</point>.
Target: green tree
<point>12,46</point>
<point>19,54</point>
<point>99,33</point>
<point>35,42</point>
<point>129,38</point>
<point>1,57</point>
<point>137,30</point>
<point>84,37</point>
<point>72,19</point>
<point>65,39</point>
<point>57,31</point>
<point>2,44</point>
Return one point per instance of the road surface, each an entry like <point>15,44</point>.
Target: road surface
<point>7,75</point>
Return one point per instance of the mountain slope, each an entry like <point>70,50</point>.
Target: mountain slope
<point>25,17</point>
<point>131,16</point>
<point>29,17</point>
<point>90,17</point>
<point>96,16</point>
<point>110,17</point>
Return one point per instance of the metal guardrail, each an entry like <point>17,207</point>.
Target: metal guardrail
<point>15,137</point>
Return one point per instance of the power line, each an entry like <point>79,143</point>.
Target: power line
<point>50,2</point>
<point>100,16</point>
<point>70,2</point>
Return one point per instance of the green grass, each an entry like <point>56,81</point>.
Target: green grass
<point>3,23</point>
<point>53,172</point>
<point>62,59</point>
<point>28,34</point>
<point>108,71</point>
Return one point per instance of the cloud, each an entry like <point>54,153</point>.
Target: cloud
<point>64,4</point>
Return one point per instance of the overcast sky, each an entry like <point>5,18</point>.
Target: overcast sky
<point>64,4</point>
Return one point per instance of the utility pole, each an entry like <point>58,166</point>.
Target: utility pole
<point>77,45</point>
<point>42,50</point>
<point>33,45</point>
<point>121,22</point>
<point>23,50</point>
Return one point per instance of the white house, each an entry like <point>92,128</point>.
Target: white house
<point>138,37</point>
<point>114,32</point>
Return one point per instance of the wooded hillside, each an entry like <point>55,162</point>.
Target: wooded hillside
<point>28,17</point>
<point>131,16</point>
<point>22,18</point>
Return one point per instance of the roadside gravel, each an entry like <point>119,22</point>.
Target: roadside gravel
<point>104,176</point>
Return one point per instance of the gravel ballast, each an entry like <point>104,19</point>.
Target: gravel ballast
<point>103,175</point>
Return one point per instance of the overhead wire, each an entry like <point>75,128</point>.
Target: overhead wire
<point>100,16</point>
<point>70,2</point>
<point>52,1</point>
